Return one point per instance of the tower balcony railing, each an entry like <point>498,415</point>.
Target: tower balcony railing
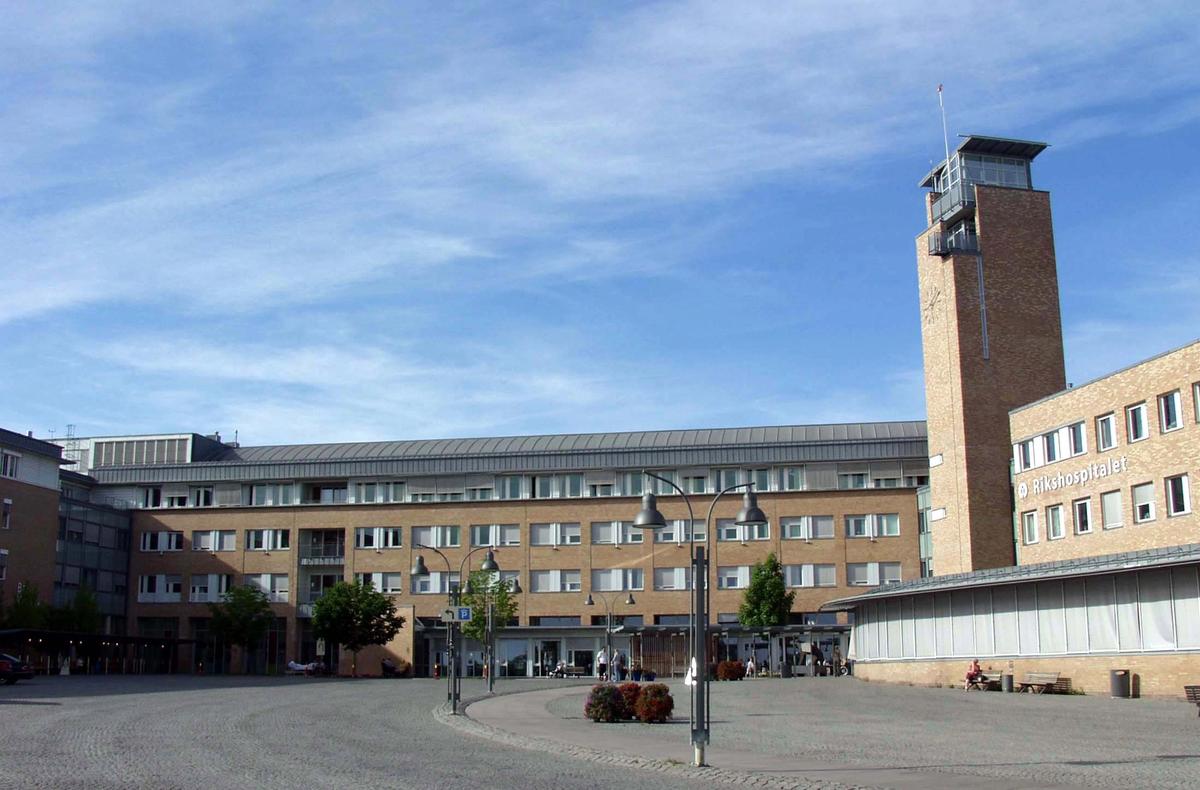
<point>950,243</point>
<point>952,203</point>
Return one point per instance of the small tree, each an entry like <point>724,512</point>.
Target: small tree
<point>27,610</point>
<point>485,586</point>
<point>242,618</point>
<point>85,611</point>
<point>354,616</point>
<point>767,600</point>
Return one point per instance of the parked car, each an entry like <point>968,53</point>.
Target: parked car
<point>13,669</point>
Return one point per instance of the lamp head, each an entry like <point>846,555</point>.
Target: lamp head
<point>649,517</point>
<point>629,601</point>
<point>750,515</point>
<point>515,589</point>
<point>589,601</point>
<point>490,563</point>
<point>418,568</point>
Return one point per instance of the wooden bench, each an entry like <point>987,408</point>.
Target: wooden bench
<point>1193,695</point>
<point>1038,682</point>
<point>573,672</point>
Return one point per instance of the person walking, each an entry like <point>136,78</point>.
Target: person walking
<point>619,665</point>
<point>602,665</point>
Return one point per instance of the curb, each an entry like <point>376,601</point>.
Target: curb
<point>465,724</point>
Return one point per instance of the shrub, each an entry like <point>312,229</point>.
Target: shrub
<point>731,670</point>
<point>655,703</point>
<point>604,703</point>
<point>629,697</point>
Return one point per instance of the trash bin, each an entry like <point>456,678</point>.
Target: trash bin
<point>1118,682</point>
<point>1006,682</point>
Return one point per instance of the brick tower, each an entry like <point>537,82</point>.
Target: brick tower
<point>991,335</point>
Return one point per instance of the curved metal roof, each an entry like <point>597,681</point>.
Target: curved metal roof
<point>560,443</point>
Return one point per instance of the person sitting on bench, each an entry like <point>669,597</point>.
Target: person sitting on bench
<point>388,668</point>
<point>974,673</point>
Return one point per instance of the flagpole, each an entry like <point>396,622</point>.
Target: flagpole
<point>945,134</point>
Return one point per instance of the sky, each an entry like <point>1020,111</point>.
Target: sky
<point>345,222</point>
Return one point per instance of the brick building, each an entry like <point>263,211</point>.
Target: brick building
<point>29,497</point>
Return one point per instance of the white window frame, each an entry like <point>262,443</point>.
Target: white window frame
<point>1143,512</point>
<point>1077,438</point>
<point>1109,420</point>
<point>1029,527</point>
<point>1184,484</point>
<point>855,566</point>
<point>680,578</point>
<point>440,535</point>
<point>855,533</point>
<point>878,522</point>
<point>1050,448</point>
<point>1086,502</point>
<point>1119,511</point>
<point>733,577</point>
<point>619,532</point>
<point>10,464</point>
<point>1054,523</point>
<point>6,509</point>
<point>1140,410</point>
<point>885,566</point>
<point>676,532</point>
<point>1176,401</point>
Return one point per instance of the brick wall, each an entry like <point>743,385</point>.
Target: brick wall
<point>31,538</point>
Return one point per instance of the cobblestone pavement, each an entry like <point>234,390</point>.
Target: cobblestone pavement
<point>196,732</point>
<point>1088,741</point>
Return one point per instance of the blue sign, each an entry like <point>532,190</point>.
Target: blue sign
<point>464,614</point>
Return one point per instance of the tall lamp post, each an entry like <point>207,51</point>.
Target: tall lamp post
<point>650,518</point>
<point>452,596</point>
<point>608,627</point>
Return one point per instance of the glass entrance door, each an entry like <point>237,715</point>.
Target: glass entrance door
<point>547,657</point>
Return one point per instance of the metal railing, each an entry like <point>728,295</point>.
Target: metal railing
<point>947,243</point>
<point>323,551</point>
<point>953,201</point>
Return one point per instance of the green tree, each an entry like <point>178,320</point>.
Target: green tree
<point>767,600</point>
<point>482,587</point>
<point>355,615</point>
<point>242,618</point>
<point>27,610</point>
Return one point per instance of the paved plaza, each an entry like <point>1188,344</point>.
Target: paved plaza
<point>849,732</point>
<point>193,732</point>
<point>288,733</point>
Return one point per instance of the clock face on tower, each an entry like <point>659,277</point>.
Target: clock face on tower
<point>931,304</point>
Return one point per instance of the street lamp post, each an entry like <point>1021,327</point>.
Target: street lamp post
<point>650,518</point>
<point>608,627</point>
<point>453,596</point>
<point>515,589</point>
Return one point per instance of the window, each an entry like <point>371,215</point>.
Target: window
<point>857,527</point>
<point>162,541</point>
<point>3,564</point>
<point>267,539</point>
<point>378,537</point>
<point>727,530</point>
<point>1135,422</point>
<point>852,480</point>
<point>1170,412</point>
<point>1054,523</point>
<point>1025,455</point>
<point>437,582</point>
<point>615,532</point>
<point>201,496</point>
<point>1050,447</point>
<point>209,587</point>
<point>386,582</point>
<point>554,534</point>
<point>573,485</point>
<point>810,575</point>
<point>672,578</point>
<point>725,478</point>
<point>1083,516</point>
<point>1143,503</point>
<point>661,487</point>
<point>509,486</point>
<point>152,496</point>
<point>214,540</point>
<point>366,493</point>
<point>437,537</point>
<point>617,579</point>
<point>272,494</point>
<point>6,508</point>
<point>807,528</point>
<point>1179,499</point>
<point>857,574</point>
<point>887,525</point>
<point>600,489</point>
<point>1077,439</point>
<point>496,535</point>
<point>698,484</point>
<point>676,532</point>
<point>1110,510</point>
<point>792,478</point>
<point>633,483</point>
<point>761,479</point>
<point>1196,400</point>
<point>161,588</point>
<point>275,586</point>
<point>552,581</point>
<point>1106,434</point>
<point>889,573</point>
<point>8,464</point>
<point>733,577</point>
<point>1029,527</point>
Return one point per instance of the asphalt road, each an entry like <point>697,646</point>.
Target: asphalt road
<point>197,732</point>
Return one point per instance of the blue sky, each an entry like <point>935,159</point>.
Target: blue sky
<point>350,222</point>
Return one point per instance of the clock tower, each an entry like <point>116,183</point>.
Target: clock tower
<point>991,334</point>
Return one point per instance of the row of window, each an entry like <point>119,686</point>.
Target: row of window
<point>1071,440</point>
<point>211,587</point>
<point>805,528</point>
<point>1176,498</point>
<point>552,486</point>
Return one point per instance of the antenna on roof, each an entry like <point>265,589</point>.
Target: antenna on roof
<point>945,134</point>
